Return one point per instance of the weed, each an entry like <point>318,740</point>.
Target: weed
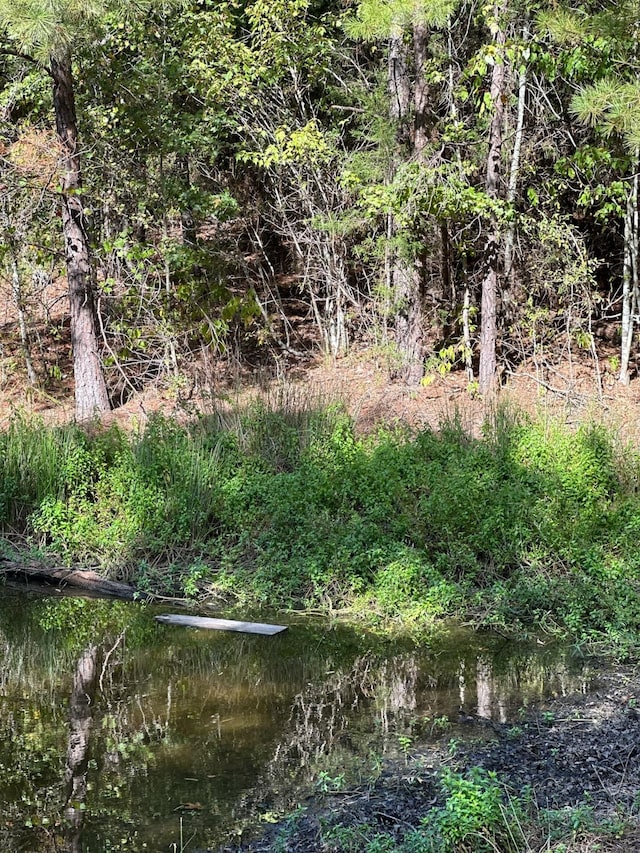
<point>405,741</point>
<point>287,830</point>
<point>346,839</point>
<point>530,524</point>
<point>326,783</point>
<point>473,818</point>
<point>478,815</point>
<point>579,820</point>
<point>436,725</point>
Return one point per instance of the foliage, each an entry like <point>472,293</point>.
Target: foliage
<point>248,156</point>
<point>473,817</point>
<point>378,18</point>
<point>530,526</point>
<point>477,814</point>
<point>613,100</point>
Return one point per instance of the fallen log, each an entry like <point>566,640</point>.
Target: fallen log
<point>220,624</point>
<point>77,578</point>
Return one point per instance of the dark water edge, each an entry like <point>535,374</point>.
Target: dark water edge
<point>566,775</point>
<point>117,733</point>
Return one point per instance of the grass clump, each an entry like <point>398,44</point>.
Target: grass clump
<point>474,818</point>
<point>528,526</point>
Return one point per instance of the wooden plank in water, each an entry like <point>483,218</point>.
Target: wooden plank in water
<point>220,624</point>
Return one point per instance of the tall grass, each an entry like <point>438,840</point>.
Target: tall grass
<point>530,525</point>
<point>33,462</point>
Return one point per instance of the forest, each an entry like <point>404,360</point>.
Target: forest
<point>453,185</point>
<point>201,198</point>
<point>189,187</point>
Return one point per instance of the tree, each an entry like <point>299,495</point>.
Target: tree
<point>611,104</point>
<point>90,388</point>
<point>408,27</point>
<point>488,310</point>
<point>45,33</point>
<point>16,214</point>
<point>284,84</point>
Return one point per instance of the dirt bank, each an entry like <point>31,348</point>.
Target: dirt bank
<point>579,752</point>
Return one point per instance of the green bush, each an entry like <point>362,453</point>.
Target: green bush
<point>529,526</point>
<point>473,818</point>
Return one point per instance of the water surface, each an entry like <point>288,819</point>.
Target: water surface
<point>119,734</point>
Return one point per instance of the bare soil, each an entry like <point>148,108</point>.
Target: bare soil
<point>571,390</point>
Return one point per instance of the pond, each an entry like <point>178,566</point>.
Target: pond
<point>118,733</point>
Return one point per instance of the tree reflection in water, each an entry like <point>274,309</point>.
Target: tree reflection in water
<point>221,730</point>
<point>81,709</point>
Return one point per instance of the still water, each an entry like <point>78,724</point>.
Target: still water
<point>118,733</point>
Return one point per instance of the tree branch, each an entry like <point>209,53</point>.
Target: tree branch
<point>10,51</point>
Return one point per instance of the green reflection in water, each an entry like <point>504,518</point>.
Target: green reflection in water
<point>217,729</point>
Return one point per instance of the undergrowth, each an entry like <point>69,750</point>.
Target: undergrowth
<point>530,527</point>
<point>477,814</point>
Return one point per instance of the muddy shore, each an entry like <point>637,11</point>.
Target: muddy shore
<point>576,752</point>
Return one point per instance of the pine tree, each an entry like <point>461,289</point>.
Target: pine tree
<point>45,33</point>
<point>611,104</point>
<point>407,26</point>
<point>489,297</point>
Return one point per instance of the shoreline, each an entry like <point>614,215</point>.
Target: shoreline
<point>568,771</point>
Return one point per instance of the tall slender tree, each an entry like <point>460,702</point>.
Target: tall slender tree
<point>489,297</point>
<point>407,26</point>
<point>90,388</point>
<point>611,103</point>
<point>44,33</point>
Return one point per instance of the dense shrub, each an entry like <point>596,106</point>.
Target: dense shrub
<point>529,526</point>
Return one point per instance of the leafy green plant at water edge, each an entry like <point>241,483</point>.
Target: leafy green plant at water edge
<point>478,815</point>
<point>530,524</point>
<point>473,817</point>
<point>35,463</point>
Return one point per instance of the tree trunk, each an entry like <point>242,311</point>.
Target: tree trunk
<point>86,581</point>
<point>187,219</point>
<point>466,333</point>
<point>90,388</point>
<point>514,171</point>
<point>18,298</point>
<point>630,295</point>
<point>406,278</point>
<point>421,118</point>
<point>398,78</point>
<point>10,238</point>
<point>488,308</point>
<point>409,321</point>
